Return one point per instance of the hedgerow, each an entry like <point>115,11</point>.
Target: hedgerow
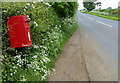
<point>65,9</point>
<point>49,33</point>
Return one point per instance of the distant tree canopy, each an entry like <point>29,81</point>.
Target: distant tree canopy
<point>109,8</point>
<point>98,4</point>
<point>65,9</point>
<point>89,5</point>
<point>118,7</point>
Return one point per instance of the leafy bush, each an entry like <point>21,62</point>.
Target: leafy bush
<point>89,5</point>
<point>65,9</point>
<point>49,33</point>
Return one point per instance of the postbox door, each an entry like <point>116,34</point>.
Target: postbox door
<point>20,32</point>
<point>27,27</point>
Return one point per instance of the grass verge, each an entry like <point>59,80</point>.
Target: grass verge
<point>103,16</point>
<point>65,39</point>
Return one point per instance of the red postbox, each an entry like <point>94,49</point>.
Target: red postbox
<point>19,31</point>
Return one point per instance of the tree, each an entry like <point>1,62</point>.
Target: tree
<point>65,9</point>
<point>118,7</point>
<point>109,8</point>
<point>89,5</point>
<point>98,4</point>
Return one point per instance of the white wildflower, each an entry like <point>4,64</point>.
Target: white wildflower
<point>34,2</point>
<point>43,47</point>
<point>4,11</point>
<point>35,46</point>
<point>23,79</point>
<point>34,56</point>
<point>11,74</point>
<point>38,68</point>
<point>33,7</point>
<point>35,23</point>
<point>24,9</point>
<point>18,11</point>
<point>53,70</point>
<point>8,17</point>
<point>17,56</point>
<point>28,4</point>
<point>47,4</point>
<point>45,59</point>
<point>43,77</point>
<point>28,16</point>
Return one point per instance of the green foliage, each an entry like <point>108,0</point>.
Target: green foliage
<point>108,12</point>
<point>112,14</point>
<point>98,3</point>
<point>89,5</point>
<point>109,8</point>
<point>49,33</point>
<point>65,9</point>
<point>105,16</point>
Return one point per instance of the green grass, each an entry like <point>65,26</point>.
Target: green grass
<point>103,16</point>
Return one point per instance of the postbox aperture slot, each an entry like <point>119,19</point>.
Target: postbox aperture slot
<point>27,21</point>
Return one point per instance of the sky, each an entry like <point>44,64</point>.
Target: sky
<point>105,4</point>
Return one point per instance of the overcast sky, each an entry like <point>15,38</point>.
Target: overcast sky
<point>105,3</point>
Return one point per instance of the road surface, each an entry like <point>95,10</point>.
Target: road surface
<point>99,38</point>
<point>91,54</point>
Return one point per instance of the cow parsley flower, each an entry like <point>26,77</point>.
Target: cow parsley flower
<point>28,16</point>
<point>11,74</point>
<point>35,23</point>
<point>35,46</point>
<point>17,56</point>
<point>33,7</point>
<point>34,56</point>
<point>23,78</point>
<point>4,11</point>
<point>28,4</point>
<point>18,11</point>
<point>34,2</point>
<point>24,9</point>
<point>47,4</point>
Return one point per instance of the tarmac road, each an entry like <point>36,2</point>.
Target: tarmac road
<point>91,54</point>
<point>99,40</point>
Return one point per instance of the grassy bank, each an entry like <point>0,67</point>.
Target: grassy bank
<point>104,16</point>
<point>112,14</point>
